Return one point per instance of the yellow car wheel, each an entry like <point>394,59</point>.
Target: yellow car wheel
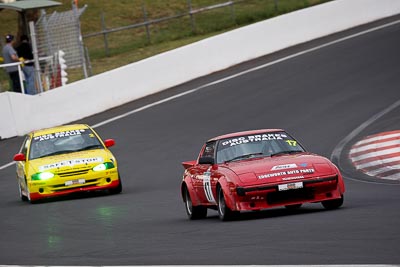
<point>23,198</point>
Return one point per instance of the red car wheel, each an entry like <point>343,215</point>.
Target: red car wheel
<point>224,212</point>
<point>194,212</point>
<point>333,204</point>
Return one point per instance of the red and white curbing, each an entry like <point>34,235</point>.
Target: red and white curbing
<point>378,155</point>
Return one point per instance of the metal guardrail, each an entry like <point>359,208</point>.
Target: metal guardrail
<point>38,72</point>
<point>155,21</point>
<point>147,23</point>
<point>20,74</point>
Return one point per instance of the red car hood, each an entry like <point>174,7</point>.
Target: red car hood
<point>281,168</point>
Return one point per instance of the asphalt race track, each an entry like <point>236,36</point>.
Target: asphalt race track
<point>320,96</point>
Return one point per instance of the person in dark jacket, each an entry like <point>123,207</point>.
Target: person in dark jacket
<point>25,50</point>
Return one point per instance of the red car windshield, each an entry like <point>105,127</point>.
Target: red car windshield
<point>258,145</point>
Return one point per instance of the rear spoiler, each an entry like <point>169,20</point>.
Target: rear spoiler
<point>188,164</point>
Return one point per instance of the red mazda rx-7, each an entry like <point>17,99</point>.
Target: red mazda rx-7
<point>255,170</point>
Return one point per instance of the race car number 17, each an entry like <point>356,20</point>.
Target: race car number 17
<point>207,186</point>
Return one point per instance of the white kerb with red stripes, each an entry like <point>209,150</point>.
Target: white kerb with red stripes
<point>378,155</point>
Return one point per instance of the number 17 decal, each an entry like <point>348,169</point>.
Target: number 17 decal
<point>207,186</point>
<point>291,142</point>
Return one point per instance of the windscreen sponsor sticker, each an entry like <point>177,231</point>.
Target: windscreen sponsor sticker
<point>253,138</point>
<point>59,134</point>
<point>69,163</point>
<point>284,173</point>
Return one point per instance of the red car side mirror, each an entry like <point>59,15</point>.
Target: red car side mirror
<point>109,142</point>
<point>19,157</point>
<point>206,160</point>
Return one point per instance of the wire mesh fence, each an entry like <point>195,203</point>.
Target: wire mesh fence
<point>52,35</point>
<point>61,31</point>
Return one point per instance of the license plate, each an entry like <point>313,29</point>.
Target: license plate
<point>78,181</point>
<point>290,186</point>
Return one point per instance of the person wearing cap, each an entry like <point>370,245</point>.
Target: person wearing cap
<point>11,56</point>
<point>24,50</point>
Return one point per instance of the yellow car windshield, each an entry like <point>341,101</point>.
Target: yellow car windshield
<point>63,142</point>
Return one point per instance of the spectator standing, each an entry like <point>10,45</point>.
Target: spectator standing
<point>11,56</point>
<point>25,50</point>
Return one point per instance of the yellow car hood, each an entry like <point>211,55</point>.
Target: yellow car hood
<point>71,161</point>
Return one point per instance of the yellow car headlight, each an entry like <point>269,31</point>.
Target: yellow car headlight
<point>42,176</point>
<point>103,166</point>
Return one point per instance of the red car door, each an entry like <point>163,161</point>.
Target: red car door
<point>204,176</point>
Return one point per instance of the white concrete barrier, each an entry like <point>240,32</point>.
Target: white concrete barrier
<point>23,113</point>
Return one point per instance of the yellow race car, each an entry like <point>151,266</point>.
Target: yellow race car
<point>63,160</point>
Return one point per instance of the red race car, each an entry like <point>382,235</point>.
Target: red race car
<point>254,170</point>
